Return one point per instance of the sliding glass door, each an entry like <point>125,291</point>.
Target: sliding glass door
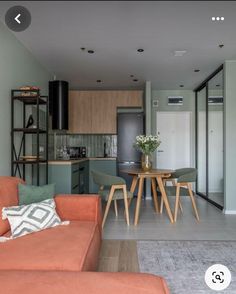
<point>201,142</point>
<point>209,138</point>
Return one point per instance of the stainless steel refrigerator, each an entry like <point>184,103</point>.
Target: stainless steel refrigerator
<point>129,125</point>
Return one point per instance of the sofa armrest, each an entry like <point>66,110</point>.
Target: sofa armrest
<point>78,207</point>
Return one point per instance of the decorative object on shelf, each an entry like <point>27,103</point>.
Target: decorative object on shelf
<point>30,121</point>
<point>30,157</point>
<point>147,145</point>
<point>28,90</point>
<point>19,156</point>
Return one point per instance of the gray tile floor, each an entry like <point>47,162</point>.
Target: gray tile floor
<point>213,225</point>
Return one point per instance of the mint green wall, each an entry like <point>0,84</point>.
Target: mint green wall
<point>17,67</point>
<point>230,136</point>
<point>188,105</point>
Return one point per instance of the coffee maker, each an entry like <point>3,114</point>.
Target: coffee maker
<point>82,152</point>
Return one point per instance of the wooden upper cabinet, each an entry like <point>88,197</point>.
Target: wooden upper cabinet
<point>80,112</point>
<point>129,98</point>
<point>95,112</point>
<point>103,113</point>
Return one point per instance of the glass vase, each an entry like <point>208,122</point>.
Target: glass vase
<point>146,162</point>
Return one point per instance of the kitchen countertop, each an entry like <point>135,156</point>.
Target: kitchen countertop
<point>74,161</point>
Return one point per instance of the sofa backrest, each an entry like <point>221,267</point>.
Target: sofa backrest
<point>8,197</point>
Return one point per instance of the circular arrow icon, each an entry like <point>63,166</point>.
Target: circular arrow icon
<point>17,18</point>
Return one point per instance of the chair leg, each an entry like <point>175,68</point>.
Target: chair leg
<point>115,207</point>
<point>176,202</point>
<point>108,205</point>
<point>161,205</point>
<point>180,206</point>
<point>193,201</point>
<point>126,204</point>
<point>129,201</point>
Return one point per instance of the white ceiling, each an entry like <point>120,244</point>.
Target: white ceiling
<point>116,29</point>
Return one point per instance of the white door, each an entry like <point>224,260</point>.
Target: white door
<point>215,151</point>
<point>174,129</point>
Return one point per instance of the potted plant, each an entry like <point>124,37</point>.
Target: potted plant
<point>147,145</point>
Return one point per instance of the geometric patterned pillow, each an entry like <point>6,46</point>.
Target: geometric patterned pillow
<point>26,219</point>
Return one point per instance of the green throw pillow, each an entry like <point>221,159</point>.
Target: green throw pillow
<point>31,194</point>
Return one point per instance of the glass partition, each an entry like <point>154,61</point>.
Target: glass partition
<point>209,138</point>
<point>215,139</point>
<point>201,142</point>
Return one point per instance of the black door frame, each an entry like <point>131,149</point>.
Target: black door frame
<point>203,85</point>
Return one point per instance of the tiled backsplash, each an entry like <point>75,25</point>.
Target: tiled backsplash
<point>94,143</point>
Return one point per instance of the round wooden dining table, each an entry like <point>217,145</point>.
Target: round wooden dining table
<point>156,176</point>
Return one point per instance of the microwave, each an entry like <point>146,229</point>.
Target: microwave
<point>77,152</point>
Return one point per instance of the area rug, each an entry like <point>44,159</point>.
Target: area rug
<point>183,263</point>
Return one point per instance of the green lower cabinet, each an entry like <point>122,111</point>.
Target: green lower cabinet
<point>61,175</point>
<point>69,178</point>
<point>105,166</point>
<point>76,178</point>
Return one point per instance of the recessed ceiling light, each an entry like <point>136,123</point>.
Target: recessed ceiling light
<point>196,70</point>
<point>99,81</point>
<point>140,50</point>
<point>221,45</point>
<point>179,52</point>
<point>181,86</point>
<point>135,80</point>
<point>217,18</point>
<point>90,51</point>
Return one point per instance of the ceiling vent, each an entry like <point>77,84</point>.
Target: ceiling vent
<point>179,53</point>
<point>215,100</point>
<point>175,100</point>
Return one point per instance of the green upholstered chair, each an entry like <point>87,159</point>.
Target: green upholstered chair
<point>112,188</point>
<point>182,180</point>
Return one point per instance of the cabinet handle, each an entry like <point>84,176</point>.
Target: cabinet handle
<point>75,187</point>
<point>81,168</point>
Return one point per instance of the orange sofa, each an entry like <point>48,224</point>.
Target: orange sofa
<point>74,247</point>
<point>38,282</point>
<point>55,260</point>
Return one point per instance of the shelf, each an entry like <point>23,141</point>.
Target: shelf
<point>31,100</point>
<point>29,161</point>
<point>29,130</point>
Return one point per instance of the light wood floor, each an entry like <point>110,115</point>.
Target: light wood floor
<point>118,256</point>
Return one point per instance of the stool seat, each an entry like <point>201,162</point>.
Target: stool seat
<point>118,194</point>
<point>171,191</point>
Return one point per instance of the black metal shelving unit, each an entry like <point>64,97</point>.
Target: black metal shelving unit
<point>18,164</point>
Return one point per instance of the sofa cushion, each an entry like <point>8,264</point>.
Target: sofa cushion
<point>31,194</point>
<point>71,248</point>
<point>26,219</point>
<point>8,197</point>
<point>81,283</point>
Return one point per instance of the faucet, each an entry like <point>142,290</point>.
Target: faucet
<point>105,149</point>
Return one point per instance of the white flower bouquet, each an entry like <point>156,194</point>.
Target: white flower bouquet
<point>147,144</point>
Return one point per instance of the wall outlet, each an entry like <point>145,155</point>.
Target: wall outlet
<point>155,103</point>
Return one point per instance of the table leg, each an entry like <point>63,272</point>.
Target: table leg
<point>164,196</point>
<point>154,194</point>
<point>133,186</point>
<point>139,198</point>
<point>134,183</point>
